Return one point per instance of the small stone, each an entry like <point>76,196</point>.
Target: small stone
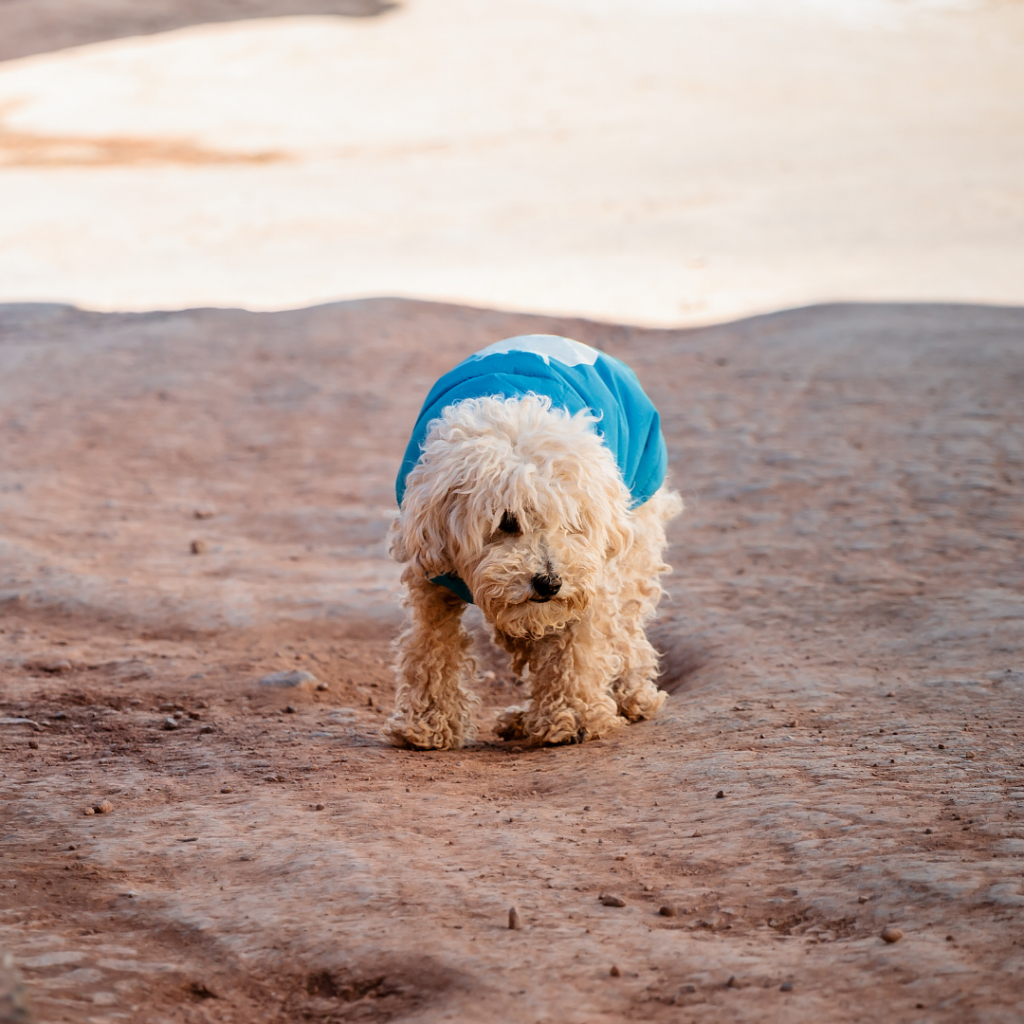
<point>206,730</point>
<point>667,911</point>
<point>288,680</point>
<point>612,901</point>
<point>720,795</point>
<point>927,831</point>
<point>321,686</point>
<point>33,744</point>
<point>226,789</point>
<point>103,807</point>
<point>204,513</point>
<point>615,972</point>
<point>731,983</point>
<point>318,807</point>
<point>517,750</point>
<point>170,724</point>
<point>55,666</point>
<point>289,709</point>
<point>949,938</point>
<point>514,923</point>
<point>891,934</point>
<point>88,811</point>
<point>792,724</point>
<point>942,746</point>
<point>969,755</point>
<point>586,807</point>
<point>862,899</point>
<point>198,547</point>
<point>786,986</point>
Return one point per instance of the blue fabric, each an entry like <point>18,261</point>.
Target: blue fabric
<point>575,377</point>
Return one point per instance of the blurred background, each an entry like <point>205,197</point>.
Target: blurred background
<point>651,161</point>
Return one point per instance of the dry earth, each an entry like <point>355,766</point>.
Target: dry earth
<point>843,642</point>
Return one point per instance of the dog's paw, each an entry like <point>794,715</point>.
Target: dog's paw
<point>643,702</point>
<point>511,724</point>
<point>431,730</point>
<point>554,727</point>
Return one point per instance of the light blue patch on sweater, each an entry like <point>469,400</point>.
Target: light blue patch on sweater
<point>575,377</point>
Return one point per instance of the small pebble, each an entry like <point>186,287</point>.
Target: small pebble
<point>949,938</point>
<point>198,547</point>
<point>668,910</point>
<point>862,899</point>
<point>969,755</point>
<point>891,934</point>
<point>319,807</point>
<point>720,795</point>
<point>786,986</point>
<point>206,730</point>
<point>33,744</point>
<point>226,789</point>
<point>615,972</point>
<point>731,983</point>
<point>793,723</point>
<point>103,807</point>
<point>322,686</point>
<point>927,831</point>
<point>170,724</point>
<point>942,746</point>
<point>88,811</point>
<point>513,919</point>
<point>586,807</point>
<point>613,901</point>
<point>289,709</point>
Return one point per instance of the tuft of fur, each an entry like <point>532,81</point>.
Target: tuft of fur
<point>584,653</point>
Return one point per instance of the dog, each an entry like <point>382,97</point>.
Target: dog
<point>534,487</point>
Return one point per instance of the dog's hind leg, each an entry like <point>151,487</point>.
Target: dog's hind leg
<point>433,709</point>
<point>636,694</point>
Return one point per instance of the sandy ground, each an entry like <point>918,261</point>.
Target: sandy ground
<point>842,751</point>
<point>643,161</point>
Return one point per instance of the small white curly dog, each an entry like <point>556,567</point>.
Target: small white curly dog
<point>525,501</point>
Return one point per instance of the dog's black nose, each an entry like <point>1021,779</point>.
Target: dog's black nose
<point>546,584</point>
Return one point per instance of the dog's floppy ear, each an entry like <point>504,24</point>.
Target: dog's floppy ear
<point>418,535</point>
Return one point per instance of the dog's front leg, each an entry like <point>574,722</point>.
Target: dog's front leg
<point>433,710</point>
<point>569,700</point>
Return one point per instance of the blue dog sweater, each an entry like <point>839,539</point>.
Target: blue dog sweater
<point>575,377</point>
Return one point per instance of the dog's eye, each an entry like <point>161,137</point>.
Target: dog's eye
<point>509,523</point>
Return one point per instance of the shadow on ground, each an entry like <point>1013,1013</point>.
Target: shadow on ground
<point>41,26</point>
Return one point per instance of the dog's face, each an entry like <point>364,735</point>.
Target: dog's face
<point>523,502</point>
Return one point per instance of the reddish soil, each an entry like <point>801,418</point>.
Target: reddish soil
<point>843,750</point>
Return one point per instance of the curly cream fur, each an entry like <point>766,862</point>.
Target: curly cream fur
<point>584,652</point>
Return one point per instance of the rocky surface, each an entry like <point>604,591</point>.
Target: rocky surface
<point>842,753</point>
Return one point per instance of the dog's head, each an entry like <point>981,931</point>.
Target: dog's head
<point>524,502</point>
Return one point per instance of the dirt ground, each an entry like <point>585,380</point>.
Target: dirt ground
<point>843,643</point>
